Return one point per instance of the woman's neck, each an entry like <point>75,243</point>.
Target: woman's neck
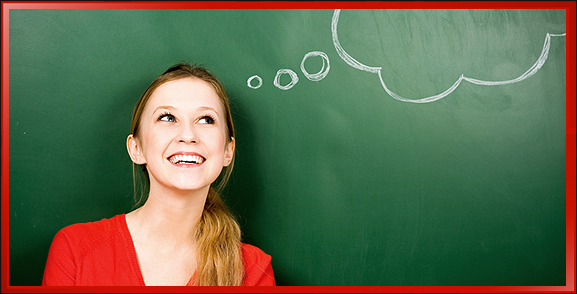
<point>168,217</point>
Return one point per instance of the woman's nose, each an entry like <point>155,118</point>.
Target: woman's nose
<point>187,134</point>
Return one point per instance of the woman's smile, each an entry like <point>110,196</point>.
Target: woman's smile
<point>186,159</point>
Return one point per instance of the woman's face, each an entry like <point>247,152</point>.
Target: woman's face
<point>183,138</point>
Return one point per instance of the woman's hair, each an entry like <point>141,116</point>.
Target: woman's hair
<point>219,260</point>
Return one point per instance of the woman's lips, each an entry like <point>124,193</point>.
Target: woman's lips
<point>186,159</point>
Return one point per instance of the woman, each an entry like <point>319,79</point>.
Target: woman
<point>182,138</point>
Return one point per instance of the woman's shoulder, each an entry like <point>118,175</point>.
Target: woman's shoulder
<point>86,235</point>
<point>253,253</point>
<point>92,253</point>
<point>254,257</point>
<point>92,228</point>
<point>257,266</point>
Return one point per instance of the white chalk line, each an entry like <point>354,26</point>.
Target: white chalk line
<point>377,70</point>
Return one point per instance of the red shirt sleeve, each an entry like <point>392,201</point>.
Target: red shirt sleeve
<point>60,267</point>
<point>258,269</point>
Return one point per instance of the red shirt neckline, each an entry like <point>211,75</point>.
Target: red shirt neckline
<point>125,232</point>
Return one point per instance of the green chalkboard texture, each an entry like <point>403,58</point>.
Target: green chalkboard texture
<point>341,183</point>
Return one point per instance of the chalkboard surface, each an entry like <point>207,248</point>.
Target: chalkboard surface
<point>340,176</point>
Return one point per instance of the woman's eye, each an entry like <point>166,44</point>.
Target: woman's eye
<point>167,117</point>
<point>206,120</point>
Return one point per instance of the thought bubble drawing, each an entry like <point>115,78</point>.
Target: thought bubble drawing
<point>294,77</point>
<point>377,70</point>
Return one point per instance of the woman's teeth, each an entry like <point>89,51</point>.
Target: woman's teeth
<point>176,159</point>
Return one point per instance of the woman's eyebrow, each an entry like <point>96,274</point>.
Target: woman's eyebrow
<point>163,107</point>
<point>203,108</point>
<point>200,108</point>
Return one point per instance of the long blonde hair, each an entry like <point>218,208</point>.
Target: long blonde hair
<point>219,261</point>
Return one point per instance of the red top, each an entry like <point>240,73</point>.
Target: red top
<point>102,254</point>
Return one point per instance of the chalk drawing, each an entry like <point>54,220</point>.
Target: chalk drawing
<point>292,74</point>
<point>294,78</point>
<point>249,82</point>
<point>377,70</point>
<point>323,72</point>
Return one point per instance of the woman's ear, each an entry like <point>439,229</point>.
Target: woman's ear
<point>134,150</point>
<point>229,152</point>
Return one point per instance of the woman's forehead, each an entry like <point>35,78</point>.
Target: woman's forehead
<point>185,94</point>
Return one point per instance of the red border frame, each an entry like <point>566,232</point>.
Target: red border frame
<point>569,6</point>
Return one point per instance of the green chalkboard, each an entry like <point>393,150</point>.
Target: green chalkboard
<point>340,176</point>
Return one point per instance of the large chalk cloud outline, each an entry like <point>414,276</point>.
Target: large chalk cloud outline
<point>377,70</point>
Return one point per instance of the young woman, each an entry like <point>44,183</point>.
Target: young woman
<point>183,140</point>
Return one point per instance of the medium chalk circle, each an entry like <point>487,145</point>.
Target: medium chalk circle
<point>292,74</point>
